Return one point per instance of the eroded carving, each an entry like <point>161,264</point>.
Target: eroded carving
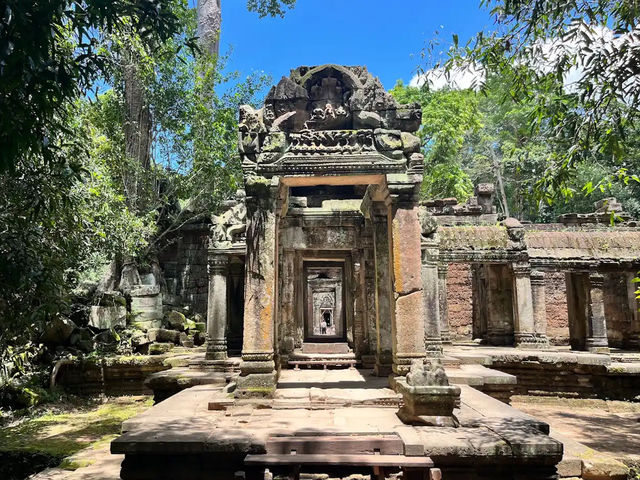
<point>331,109</point>
<point>229,226</point>
<point>427,373</point>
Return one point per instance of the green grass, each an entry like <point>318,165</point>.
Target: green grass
<point>65,430</point>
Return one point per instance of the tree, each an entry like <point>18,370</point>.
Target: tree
<point>49,57</point>
<point>577,63</point>
<point>448,116</point>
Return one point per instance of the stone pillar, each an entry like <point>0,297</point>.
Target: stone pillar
<point>359,302</point>
<point>257,371</point>
<point>596,341</point>
<point>218,266</point>
<point>634,311</point>
<point>576,309</point>
<point>383,293</point>
<point>539,306</point>
<point>523,321</point>
<point>431,305</point>
<point>443,306</point>
<point>500,311</point>
<point>408,322</point>
<point>369,359</point>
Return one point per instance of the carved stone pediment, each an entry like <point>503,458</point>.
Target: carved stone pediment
<point>342,114</point>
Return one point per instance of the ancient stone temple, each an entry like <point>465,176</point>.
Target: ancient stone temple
<point>327,258</point>
<point>343,264</point>
<point>332,246</point>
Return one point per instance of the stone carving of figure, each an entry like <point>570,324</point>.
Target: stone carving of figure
<point>230,224</point>
<point>428,223</point>
<point>250,120</point>
<point>427,373</point>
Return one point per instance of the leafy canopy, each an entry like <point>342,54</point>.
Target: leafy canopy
<point>577,64</point>
<point>49,55</point>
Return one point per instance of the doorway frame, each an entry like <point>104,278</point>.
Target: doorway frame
<point>325,262</point>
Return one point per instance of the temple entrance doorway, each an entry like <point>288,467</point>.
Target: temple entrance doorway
<point>324,301</point>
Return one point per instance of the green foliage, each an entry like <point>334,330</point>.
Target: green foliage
<point>448,118</point>
<point>49,56</point>
<point>537,48</point>
<point>194,159</point>
<point>470,138</point>
<point>271,8</point>
<point>54,216</point>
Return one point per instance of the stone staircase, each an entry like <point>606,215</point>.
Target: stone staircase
<point>323,355</point>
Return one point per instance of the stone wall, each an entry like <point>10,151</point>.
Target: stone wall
<point>616,308</point>
<point>550,375</point>
<point>459,300</point>
<point>184,264</point>
<point>123,375</point>
<point>619,316</point>
<point>557,317</point>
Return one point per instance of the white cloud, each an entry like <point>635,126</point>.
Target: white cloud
<point>587,44</point>
<point>459,78</point>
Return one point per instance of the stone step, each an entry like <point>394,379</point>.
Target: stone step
<point>340,347</point>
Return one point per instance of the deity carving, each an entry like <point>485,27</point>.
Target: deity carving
<point>427,373</point>
<point>330,109</point>
<point>229,226</point>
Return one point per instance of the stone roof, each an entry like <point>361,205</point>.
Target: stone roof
<point>330,120</point>
<point>589,244</point>
<point>473,237</point>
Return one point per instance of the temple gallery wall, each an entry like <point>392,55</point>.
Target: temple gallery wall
<point>186,268</point>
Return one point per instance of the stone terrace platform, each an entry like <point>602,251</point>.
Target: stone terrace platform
<point>558,370</point>
<point>182,437</point>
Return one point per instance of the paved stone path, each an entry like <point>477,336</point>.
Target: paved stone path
<point>104,466</point>
<point>611,427</point>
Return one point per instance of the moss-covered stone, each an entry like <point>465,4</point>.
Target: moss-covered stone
<point>176,320</point>
<point>159,348</point>
<point>66,429</point>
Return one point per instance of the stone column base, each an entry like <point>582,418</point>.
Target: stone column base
<point>402,362</point>
<point>216,349</point>
<point>258,377</point>
<point>384,364</point>
<point>598,345</point>
<point>446,338</point>
<point>434,348</point>
<point>530,341</point>
<point>256,385</point>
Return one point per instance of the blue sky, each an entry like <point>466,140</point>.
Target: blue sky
<point>386,36</point>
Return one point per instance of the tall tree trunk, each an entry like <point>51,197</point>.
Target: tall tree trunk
<point>137,130</point>
<point>209,22</point>
<point>137,138</point>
